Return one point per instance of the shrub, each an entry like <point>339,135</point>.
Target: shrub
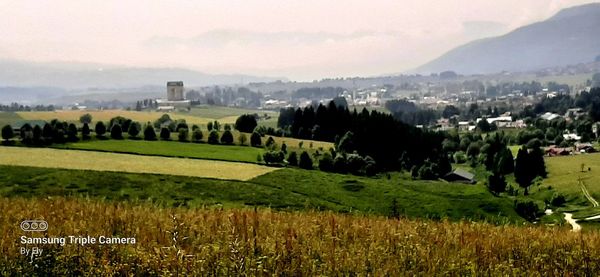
<point>293,159</point>
<point>183,135</point>
<point>255,139</point>
<point>270,141</point>
<point>339,164</point>
<point>326,163</point>
<point>273,157</point>
<point>496,183</point>
<point>305,161</point>
<point>37,134</point>
<point>71,133</point>
<point>100,129</point>
<point>213,137</point>
<point>355,163</point>
<point>85,131</point>
<point>86,118</point>
<point>116,132</point>
<point>197,135</point>
<point>165,133</point>
<point>134,130</point>
<point>558,200</point>
<point>460,157</point>
<point>227,137</point>
<point>7,133</point>
<point>527,209</point>
<point>149,133</point>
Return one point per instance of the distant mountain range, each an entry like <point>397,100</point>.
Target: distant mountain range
<point>88,75</point>
<point>572,36</point>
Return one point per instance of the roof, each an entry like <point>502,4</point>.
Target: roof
<point>460,175</point>
<point>175,83</point>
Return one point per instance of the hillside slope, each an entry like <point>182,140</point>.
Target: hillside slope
<point>569,37</point>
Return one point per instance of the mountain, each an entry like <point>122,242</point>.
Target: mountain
<point>571,36</point>
<point>67,75</point>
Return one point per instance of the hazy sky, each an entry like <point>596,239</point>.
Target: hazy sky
<point>302,40</point>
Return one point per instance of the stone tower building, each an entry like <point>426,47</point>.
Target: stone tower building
<point>175,91</point>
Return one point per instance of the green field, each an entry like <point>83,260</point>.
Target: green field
<point>283,189</point>
<point>171,149</point>
<point>9,118</point>
<point>564,172</point>
<point>101,161</point>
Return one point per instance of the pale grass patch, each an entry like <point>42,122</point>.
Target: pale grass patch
<point>101,161</point>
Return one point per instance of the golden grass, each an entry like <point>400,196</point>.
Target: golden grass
<point>201,242</point>
<point>100,161</point>
<point>106,115</point>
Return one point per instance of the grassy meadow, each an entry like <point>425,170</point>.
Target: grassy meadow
<point>9,118</point>
<point>101,161</point>
<point>236,242</point>
<point>286,188</point>
<point>170,149</point>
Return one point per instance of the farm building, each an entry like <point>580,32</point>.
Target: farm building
<point>460,176</point>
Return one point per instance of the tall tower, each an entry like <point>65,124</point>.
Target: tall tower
<point>175,91</point>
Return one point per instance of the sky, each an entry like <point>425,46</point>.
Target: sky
<point>301,40</point>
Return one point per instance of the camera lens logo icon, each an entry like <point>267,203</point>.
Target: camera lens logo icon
<point>34,225</point>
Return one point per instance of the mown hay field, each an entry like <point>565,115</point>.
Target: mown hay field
<point>101,161</point>
<point>106,115</point>
<point>239,242</point>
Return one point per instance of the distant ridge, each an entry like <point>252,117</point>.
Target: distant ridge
<point>571,36</point>
<point>74,75</point>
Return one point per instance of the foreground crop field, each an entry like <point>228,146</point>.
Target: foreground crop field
<point>234,242</point>
<point>100,161</point>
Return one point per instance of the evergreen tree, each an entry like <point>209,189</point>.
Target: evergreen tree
<point>47,133</point>
<point>149,133</point>
<point>7,133</point>
<point>26,134</point>
<point>85,131</point>
<point>134,130</point>
<point>213,137</point>
<point>255,139</point>
<point>209,126</point>
<point>496,183</point>
<point>227,138</point>
<point>536,158</point>
<point>305,161</point>
<point>183,135</point>
<point>165,134</point>
<point>37,134</point>
<point>197,135</point>
<point>326,163</point>
<point>292,159</point>
<point>72,133</point>
<point>523,171</point>
<point>100,129</point>
<point>116,132</point>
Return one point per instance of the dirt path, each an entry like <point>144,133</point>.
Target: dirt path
<point>587,194</point>
<point>569,218</point>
